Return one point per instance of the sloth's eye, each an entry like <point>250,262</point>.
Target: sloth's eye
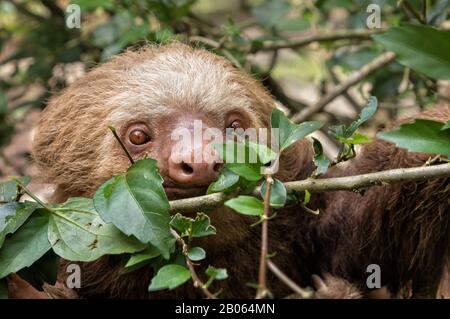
<point>235,124</point>
<point>138,137</point>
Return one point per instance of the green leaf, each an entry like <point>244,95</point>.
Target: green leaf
<point>169,277</point>
<point>346,134</point>
<point>251,172</point>
<point>142,257</point>
<point>264,153</point>
<point>421,48</point>
<point>366,113</point>
<point>421,136</point>
<point>176,258</point>
<point>227,179</point>
<point>322,163</point>
<point>245,159</point>
<point>289,132</point>
<point>3,289</point>
<point>217,273</point>
<point>246,205</point>
<point>182,224</point>
<point>77,233</point>
<point>307,197</point>
<point>277,193</point>
<point>320,160</point>
<point>245,152</point>
<point>196,253</point>
<point>358,138</point>
<point>338,132</point>
<point>26,245</point>
<point>202,227</point>
<point>189,227</point>
<point>9,190</point>
<point>446,126</point>
<point>135,202</point>
<point>13,215</point>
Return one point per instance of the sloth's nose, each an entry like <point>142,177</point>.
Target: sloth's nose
<point>194,174</point>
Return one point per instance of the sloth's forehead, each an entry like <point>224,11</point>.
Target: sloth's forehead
<point>168,84</point>
<point>144,106</point>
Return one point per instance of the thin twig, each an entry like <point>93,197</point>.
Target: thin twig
<point>201,20</point>
<point>346,94</point>
<point>304,293</point>
<point>353,79</point>
<point>216,45</point>
<point>432,160</point>
<point>424,11</point>
<point>349,183</point>
<point>262,277</point>
<point>277,91</point>
<point>322,37</point>
<point>198,204</point>
<point>195,278</point>
<point>113,130</point>
<point>30,193</point>
<point>413,11</point>
<point>273,61</point>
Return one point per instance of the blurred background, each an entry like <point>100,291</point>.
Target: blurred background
<point>301,49</point>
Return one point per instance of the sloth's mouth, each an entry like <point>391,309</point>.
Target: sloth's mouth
<point>178,192</point>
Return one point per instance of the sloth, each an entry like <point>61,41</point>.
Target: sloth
<point>147,93</point>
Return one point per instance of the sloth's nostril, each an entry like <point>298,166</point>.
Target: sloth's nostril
<point>188,170</point>
<point>217,167</point>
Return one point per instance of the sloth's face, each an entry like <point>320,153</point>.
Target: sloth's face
<point>173,109</point>
<point>183,145</point>
<point>159,100</point>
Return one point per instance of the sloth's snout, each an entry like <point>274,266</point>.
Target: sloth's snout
<point>195,174</point>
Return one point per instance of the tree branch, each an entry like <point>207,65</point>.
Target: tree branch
<point>262,277</point>
<point>113,130</point>
<point>54,9</point>
<point>349,183</point>
<point>196,280</point>
<point>355,105</point>
<point>304,293</point>
<point>216,45</point>
<point>337,35</point>
<point>277,91</point>
<point>354,78</point>
<point>413,11</point>
<point>424,11</point>
<point>352,183</point>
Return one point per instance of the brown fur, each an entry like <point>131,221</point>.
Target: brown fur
<point>403,227</point>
